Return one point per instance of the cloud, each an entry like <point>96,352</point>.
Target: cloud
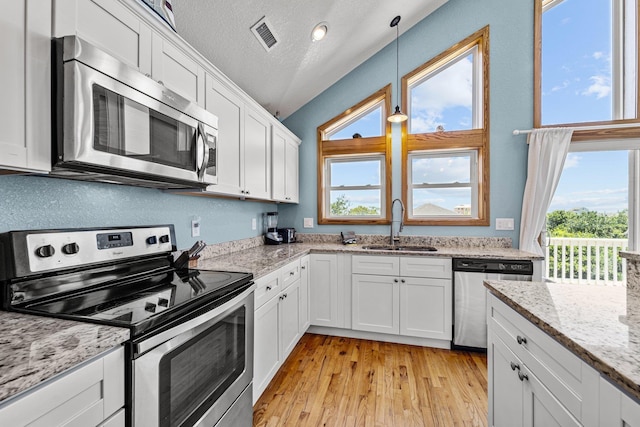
<point>600,86</point>
<point>605,200</point>
<point>572,160</point>
<point>450,88</point>
<point>564,85</point>
<point>441,170</point>
<point>598,55</point>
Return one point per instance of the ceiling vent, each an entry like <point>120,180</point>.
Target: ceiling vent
<point>264,34</point>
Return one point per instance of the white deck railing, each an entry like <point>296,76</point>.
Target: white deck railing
<point>586,260</point>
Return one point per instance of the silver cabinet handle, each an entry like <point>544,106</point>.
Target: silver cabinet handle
<point>291,273</point>
<point>401,280</point>
<point>515,366</point>
<point>395,280</point>
<point>304,267</point>
<point>521,340</point>
<point>522,376</point>
<point>268,288</point>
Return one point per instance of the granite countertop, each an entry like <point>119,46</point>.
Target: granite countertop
<point>261,260</point>
<point>600,324</point>
<point>34,348</point>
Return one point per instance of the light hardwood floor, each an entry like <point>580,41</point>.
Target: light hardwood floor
<point>333,381</point>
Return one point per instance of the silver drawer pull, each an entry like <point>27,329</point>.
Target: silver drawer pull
<point>515,366</point>
<point>268,288</point>
<point>522,376</point>
<point>521,340</point>
<point>291,273</point>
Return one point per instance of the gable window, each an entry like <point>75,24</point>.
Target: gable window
<point>354,164</point>
<point>446,143</point>
<point>586,66</point>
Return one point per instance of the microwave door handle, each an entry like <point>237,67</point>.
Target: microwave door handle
<point>202,145</point>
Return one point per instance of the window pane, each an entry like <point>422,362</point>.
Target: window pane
<point>444,99</point>
<point>367,125</point>
<point>441,170</point>
<point>356,173</point>
<point>576,62</point>
<point>442,202</point>
<point>355,203</point>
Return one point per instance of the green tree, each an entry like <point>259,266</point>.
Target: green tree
<point>341,206</point>
<point>364,210</point>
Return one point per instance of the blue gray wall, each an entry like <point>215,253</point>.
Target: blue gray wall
<point>33,202</point>
<point>511,103</point>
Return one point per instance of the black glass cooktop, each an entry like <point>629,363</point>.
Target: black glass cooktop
<point>145,302</point>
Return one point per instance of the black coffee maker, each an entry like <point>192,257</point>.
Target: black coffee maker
<point>272,237</point>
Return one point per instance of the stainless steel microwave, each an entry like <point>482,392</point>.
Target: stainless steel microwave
<point>114,124</point>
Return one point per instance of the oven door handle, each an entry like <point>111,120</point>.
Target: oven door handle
<point>195,323</point>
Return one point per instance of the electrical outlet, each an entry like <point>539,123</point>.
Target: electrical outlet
<point>254,224</point>
<point>504,223</point>
<point>195,227</point>
<point>308,223</point>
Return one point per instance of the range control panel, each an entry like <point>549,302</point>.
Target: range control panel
<point>68,248</point>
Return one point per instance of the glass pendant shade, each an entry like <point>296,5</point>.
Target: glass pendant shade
<point>397,116</point>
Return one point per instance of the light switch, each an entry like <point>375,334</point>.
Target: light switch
<point>254,224</point>
<point>308,223</point>
<point>504,224</point>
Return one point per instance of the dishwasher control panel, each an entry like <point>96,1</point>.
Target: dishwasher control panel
<point>508,266</point>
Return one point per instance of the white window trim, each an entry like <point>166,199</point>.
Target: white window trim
<point>473,183</point>
<point>352,159</point>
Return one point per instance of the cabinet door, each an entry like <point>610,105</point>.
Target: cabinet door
<point>176,70</point>
<point>304,294</point>
<point>266,360</point>
<point>109,25</point>
<point>505,388</point>
<point>324,290</point>
<point>257,155</point>
<point>541,408</point>
<point>284,181</point>
<point>229,109</point>
<point>25,83</point>
<point>289,319</point>
<point>291,171</point>
<point>375,303</point>
<point>425,308</point>
<point>278,165</point>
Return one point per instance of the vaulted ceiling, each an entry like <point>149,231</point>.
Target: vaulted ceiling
<point>296,69</point>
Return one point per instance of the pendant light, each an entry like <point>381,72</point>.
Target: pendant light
<point>397,116</point>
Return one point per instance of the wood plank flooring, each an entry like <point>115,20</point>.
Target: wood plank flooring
<point>334,381</point>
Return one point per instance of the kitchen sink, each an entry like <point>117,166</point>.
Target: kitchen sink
<point>399,248</point>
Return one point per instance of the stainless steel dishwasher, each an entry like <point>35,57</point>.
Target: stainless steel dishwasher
<point>469,295</point>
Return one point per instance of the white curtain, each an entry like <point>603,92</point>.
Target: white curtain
<point>547,151</point>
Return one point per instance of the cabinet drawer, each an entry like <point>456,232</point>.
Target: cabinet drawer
<point>437,268</point>
<point>556,367</point>
<point>266,288</point>
<point>290,273</point>
<point>377,265</point>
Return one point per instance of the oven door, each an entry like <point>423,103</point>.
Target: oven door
<point>200,372</point>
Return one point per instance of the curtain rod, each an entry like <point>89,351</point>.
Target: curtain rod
<point>619,126</point>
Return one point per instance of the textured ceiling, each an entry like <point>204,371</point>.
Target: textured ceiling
<point>296,69</point>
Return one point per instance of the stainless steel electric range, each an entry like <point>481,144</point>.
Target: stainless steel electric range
<point>190,356</point>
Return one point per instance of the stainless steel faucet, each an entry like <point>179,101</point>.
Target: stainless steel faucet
<point>393,239</point>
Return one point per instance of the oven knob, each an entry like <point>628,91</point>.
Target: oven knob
<point>45,251</point>
<point>152,240</point>
<point>70,248</point>
<point>150,307</point>
<point>164,239</point>
<point>163,302</point>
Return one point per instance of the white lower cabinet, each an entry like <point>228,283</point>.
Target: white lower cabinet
<point>277,329</point>
<point>324,295</point>
<point>533,379</point>
<point>89,395</point>
<point>305,319</point>
<point>386,299</point>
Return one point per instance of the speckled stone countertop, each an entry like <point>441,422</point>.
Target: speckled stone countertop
<point>600,324</point>
<point>34,348</point>
<point>261,260</point>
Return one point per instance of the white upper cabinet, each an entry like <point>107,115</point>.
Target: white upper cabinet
<point>176,70</point>
<point>108,25</point>
<point>25,83</point>
<point>257,154</point>
<point>284,167</point>
<point>229,108</point>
